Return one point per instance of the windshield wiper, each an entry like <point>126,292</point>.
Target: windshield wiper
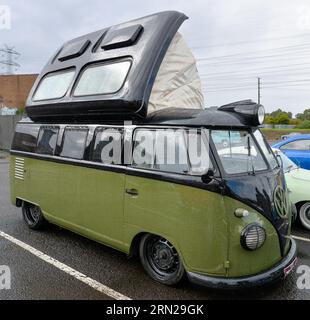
<point>250,156</point>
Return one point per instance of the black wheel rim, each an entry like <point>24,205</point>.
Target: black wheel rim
<point>32,214</point>
<point>162,256</point>
<point>307,214</point>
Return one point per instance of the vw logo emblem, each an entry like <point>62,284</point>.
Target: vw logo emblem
<point>281,202</point>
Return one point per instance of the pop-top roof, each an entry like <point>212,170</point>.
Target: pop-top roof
<point>108,73</point>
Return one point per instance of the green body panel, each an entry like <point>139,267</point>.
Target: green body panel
<point>199,223</point>
<point>244,262</point>
<point>84,200</point>
<point>192,219</point>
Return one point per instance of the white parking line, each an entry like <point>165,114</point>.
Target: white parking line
<point>301,238</point>
<point>70,271</point>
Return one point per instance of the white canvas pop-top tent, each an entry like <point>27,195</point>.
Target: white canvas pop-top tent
<point>177,83</point>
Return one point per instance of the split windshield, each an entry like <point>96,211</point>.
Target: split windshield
<point>239,153</point>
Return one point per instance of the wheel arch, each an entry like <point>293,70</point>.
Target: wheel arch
<point>134,244</point>
<point>299,204</point>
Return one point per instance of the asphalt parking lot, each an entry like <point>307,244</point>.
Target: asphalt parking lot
<point>35,278</point>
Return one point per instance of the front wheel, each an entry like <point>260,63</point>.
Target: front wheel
<point>304,215</point>
<point>33,216</point>
<point>161,260</point>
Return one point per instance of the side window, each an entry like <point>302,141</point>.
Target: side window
<point>143,149</point>
<point>54,85</point>
<point>108,146</point>
<point>74,141</point>
<point>102,79</point>
<point>198,152</point>
<point>171,151</point>
<point>47,140</point>
<point>25,138</point>
<point>175,151</point>
<point>297,145</point>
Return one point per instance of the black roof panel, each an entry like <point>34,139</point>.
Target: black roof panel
<point>209,117</point>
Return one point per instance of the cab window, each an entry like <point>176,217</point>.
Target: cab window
<point>267,151</point>
<point>74,141</point>
<point>239,154</point>
<point>176,151</point>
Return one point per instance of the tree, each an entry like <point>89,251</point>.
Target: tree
<point>295,122</point>
<point>304,125</point>
<point>282,118</point>
<point>269,120</point>
<point>304,116</point>
<point>279,111</point>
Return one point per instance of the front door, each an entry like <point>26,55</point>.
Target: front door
<point>158,202</point>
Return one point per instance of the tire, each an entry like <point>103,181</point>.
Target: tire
<point>225,143</point>
<point>160,260</point>
<point>33,216</point>
<point>304,215</point>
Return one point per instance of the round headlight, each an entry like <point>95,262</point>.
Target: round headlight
<point>253,236</point>
<point>261,114</point>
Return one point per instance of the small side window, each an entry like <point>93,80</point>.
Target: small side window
<point>47,140</point>
<point>108,146</point>
<point>25,138</point>
<point>143,149</point>
<point>74,141</point>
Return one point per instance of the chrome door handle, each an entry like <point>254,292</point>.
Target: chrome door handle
<point>132,192</point>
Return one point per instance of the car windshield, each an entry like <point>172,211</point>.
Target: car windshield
<point>288,164</point>
<point>238,152</point>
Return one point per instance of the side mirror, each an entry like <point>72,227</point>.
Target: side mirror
<point>208,176</point>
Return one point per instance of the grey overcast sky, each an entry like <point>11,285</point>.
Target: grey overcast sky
<point>234,41</point>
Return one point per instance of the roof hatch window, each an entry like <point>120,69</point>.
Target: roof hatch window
<point>102,79</point>
<point>54,85</point>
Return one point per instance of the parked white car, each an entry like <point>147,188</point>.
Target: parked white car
<point>298,182</point>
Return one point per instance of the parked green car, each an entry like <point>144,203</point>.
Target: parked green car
<point>298,181</point>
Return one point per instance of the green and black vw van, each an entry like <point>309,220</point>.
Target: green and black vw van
<point>94,156</point>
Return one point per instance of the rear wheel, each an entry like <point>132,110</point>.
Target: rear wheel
<point>33,216</point>
<point>161,260</point>
<point>304,215</point>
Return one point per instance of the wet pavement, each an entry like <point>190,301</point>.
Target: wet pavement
<point>33,278</point>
